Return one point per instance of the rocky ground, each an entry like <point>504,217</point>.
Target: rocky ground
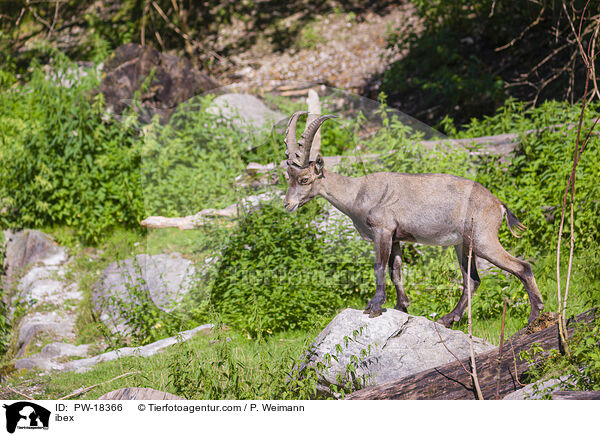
<point>343,50</point>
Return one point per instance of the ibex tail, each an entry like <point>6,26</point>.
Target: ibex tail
<point>513,221</point>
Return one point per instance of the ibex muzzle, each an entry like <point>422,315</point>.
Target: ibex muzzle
<point>390,208</point>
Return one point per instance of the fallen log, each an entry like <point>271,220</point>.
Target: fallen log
<point>194,221</point>
<point>576,395</point>
<point>452,382</point>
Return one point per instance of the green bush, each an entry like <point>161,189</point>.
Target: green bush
<point>64,161</point>
<point>533,182</point>
<point>279,272</point>
<point>465,58</point>
<point>191,163</point>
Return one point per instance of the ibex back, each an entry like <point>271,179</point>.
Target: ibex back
<point>389,208</point>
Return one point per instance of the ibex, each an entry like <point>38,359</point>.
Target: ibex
<point>388,208</point>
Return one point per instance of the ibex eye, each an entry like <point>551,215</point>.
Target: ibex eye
<point>303,180</point>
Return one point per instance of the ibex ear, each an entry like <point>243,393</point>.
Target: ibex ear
<point>319,165</point>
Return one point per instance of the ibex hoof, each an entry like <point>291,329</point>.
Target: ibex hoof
<point>401,308</point>
<point>447,320</point>
<point>375,314</point>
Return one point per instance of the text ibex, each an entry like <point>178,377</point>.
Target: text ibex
<point>389,208</point>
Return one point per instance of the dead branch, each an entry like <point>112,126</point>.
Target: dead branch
<point>314,111</point>
<point>20,393</point>
<point>54,19</point>
<point>570,189</point>
<point>470,318</point>
<point>518,38</point>
<point>500,348</point>
<point>188,40</point>
<point>84,390</point>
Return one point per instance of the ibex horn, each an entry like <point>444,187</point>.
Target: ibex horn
<point>290,136</point>
<point>306,140</point>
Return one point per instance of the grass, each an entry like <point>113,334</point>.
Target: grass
<point>153,372</point>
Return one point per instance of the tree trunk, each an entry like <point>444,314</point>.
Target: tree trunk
<point>451,382</point>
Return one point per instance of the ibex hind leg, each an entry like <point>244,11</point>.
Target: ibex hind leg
<point>495,253</point>
<point>395,270</point>
<point>462,252</point>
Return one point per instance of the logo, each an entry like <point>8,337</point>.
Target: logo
<point>26,415</point>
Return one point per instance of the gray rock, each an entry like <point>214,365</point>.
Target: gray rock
<point>173,80</point>
<point>385,348</point>
<point>44,285</point>
<point>83,365</point>
<point>29,247</point>
<point>251,111</point>
<point>37,323</point>
<point>47,359</point>
<point>139,394</point>
<point>166,277</point>
<point>540,388</point>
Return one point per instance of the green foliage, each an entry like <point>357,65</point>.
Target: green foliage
<point>468,57</point>
<point>65,162</point>
<point>144,321</point>
<point>309,37</point>
<point>579,370</point>
<point>280,272</point>
<point>226,370</point>
<point>585,357</point>
<point>534,181</point>
<point>191,163</point>
<point>222,372</point>
<point>437,76</point>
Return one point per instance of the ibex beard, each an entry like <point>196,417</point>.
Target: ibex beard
<point>390,208</point>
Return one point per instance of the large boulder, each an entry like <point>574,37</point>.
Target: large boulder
<point>385,348</point>
<point>172,80</point>
<point>246,111</point>
<point>166,278</point>
<point>29,247</point>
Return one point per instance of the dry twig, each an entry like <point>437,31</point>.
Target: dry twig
<point>588,59</point>
<point>450,351</point>
<point>470,319</point>
<point>20,393</point>
<point>500,349</point>
<point>84,390</point>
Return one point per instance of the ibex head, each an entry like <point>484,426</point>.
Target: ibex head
<point>303,174</point>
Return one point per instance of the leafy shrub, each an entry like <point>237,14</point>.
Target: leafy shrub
<point>579,369</point>
<point>191,163</point>
<point>534,180</point>
<point>465,58</point>
<point>258,369</point>
<point>280,272</point>
<point>64,161</point>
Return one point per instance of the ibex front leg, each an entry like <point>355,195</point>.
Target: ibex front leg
<point>383,246</point>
